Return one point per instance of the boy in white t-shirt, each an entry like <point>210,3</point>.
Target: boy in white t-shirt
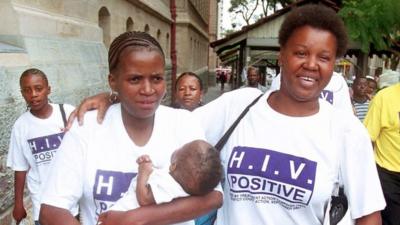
<point>35,138</point>
<point>195,170</point>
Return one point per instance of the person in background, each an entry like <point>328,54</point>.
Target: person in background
<point>223,78</point>
<point>35,138</point>
<point>288,153</point>
<point>188,91</point>
<point>372,87</point>
<point>360,98</point>
<point>383,124</point>
<point>253,79</point>
<point>96,161</point>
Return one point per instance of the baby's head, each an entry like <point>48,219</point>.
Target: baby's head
<point>196,167</point>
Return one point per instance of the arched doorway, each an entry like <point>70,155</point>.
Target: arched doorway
<point>129,24</point>
<point>147,29</point>
<point>105,24</point>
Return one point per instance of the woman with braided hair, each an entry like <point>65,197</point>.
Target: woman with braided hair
<point>96,163</point>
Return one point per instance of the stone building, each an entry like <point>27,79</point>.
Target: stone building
<point>68,40</point>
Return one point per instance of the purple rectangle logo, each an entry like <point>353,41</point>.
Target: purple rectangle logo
<point>327,96</point>
<point>45,143</point>
<point>109,187</point>
<point>263,171</point>
<point>44,148</point>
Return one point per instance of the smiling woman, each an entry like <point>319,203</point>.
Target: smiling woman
<point>307,60</point>
<point>283,159</point>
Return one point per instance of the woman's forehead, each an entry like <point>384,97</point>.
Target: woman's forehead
<point>312,37</point>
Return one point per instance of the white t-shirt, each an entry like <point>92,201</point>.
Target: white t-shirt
<point>336,92</point>
<point>163,186</point>
<point>281,169</point>
<point>97,162</point>
<point>33,144</point>
<point>259,87</point>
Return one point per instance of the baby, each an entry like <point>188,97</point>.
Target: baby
<point>195,170</point>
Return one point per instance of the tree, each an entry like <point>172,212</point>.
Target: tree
<point>374,24</point>
<point>273,5</point>
<point>245,8</point>
<point>227,32</point>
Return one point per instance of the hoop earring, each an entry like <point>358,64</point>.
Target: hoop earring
<point>113,97</point>
<point>200,102</point>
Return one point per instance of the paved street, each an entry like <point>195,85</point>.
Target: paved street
<point>214,92</point>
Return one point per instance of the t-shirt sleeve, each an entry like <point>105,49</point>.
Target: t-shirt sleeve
<point>15,158</point>
<point>359,173</point>
<point>64,186</point>
<point>372,120</point>
<point>164,187</point>
<point>342,99</point>
<point>217,116</point>
<point>68,109</point>
<point>212,118</point>
<point>276,83</point>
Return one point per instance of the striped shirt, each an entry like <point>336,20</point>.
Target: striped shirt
<point>361,109</point>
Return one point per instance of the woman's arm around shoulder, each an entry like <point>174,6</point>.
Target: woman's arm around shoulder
<point>371,219</point>
<point>101,102</point>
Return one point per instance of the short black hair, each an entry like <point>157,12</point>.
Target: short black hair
<point>33,71</point>
<point>189,74</point>
<point>357,79</point>
<point>199,168</point>
<point>316,16</point>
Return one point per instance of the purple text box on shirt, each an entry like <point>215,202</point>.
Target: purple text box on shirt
<point>276,166</point>
<point>111,185</point>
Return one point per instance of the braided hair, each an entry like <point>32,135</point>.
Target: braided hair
<point>134,40</point>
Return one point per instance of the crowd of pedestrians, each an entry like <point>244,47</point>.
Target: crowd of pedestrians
<point>300,143</point>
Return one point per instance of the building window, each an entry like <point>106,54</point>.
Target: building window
<point>129,24</point>
<point>158,35</point>
<point>167,50</point>
<point>104,23</point>
<point>147,29</point>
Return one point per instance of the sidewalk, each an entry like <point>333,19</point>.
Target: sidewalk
<point>214,92</point>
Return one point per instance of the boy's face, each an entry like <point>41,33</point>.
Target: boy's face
<point>360,86</point>
<point>371,88</point>
<point>35,91</point>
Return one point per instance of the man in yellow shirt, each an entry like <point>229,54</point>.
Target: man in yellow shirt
<point>382,122</point>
